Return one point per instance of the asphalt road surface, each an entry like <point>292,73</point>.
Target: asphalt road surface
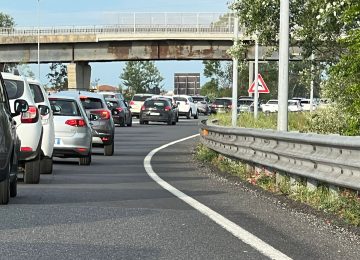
<point>114,210</point>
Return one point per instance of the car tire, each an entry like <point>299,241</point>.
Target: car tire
<point>188,115</point>
<point>32,171</point>
<point>85,160</point>
<point>5,191</point>
<point>177,118</point>
<point>46,166</point>
<point>196,116</point>
<point>13,188</point>
<point>109,149</point>
<point>130,123</point>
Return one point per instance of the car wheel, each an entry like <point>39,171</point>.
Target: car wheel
<point>177,118</point>
<point>13,188</point>
<point>46,166</point>
<point>5,189</point>
<point>32,172</point>
<point>85,160</point>
<point>196,116</point>
<point>130,123</point>
<point>188,115</point>
<point>109,149</point>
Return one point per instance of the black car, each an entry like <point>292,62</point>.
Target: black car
<point>221,105</point>
<point>120,111</point>
<point>158,110</point>
<point>9,145</point>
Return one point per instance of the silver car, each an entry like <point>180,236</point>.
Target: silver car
<point>73,132</point>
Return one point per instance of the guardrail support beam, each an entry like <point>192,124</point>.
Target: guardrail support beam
<point>311,184</point>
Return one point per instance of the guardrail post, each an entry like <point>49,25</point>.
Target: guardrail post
<point>334,190</point>
<point>311,184</point>
<point>294,182</point>
<point>280,178</point>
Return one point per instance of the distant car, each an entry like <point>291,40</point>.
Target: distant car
<point>187,106</point>
<point>305,103</point>
<point>245,104</point>
<point>173,102</point>
<point>202,104</point>
<point>28,126</point>
<point>136,103</point>
<point>120,112</point>
<point>115,95</point>
<point>271,106</point>
<point>73,132</point>
<point>104,127</point>
<point>221,105</point>
<point>9,145</point>
<point>47,145</point>
<point>294,105</point>
<point>158,110</point>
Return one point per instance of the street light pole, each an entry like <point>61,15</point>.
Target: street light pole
<point>283,87</point>
<point>235,77</point>
<point>38,39</point>
<point>256,90</point>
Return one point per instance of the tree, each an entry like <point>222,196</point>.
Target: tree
<point>57,76</point>
<point>141,77</point>
<point>6,21</point>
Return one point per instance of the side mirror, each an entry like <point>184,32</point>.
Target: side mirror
<point>44,110</point>
<point>20,106</point>
<point>178,103</point>
<point>94,117</point>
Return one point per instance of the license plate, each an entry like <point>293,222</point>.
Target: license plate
<point>57,141</point>
<point>154,114</point>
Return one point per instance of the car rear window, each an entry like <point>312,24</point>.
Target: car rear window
<point>198,98</point>
<point>37,93</point>
<point>91,103</point>
<point>224,102</point>
<point>140,98</point>
<point>245,102</point>
<point>64,107</point>
<point>180,99</point>
<point>14,88</point>
<point>157,103</point>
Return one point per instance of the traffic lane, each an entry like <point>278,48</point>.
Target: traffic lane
<point>111,211</point>
<point>296,234</point>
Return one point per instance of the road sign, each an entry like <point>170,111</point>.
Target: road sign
<point>262,88</point>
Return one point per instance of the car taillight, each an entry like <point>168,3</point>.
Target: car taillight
<point>104,114</point>
<point>214,105</point>
<point>120,109</point>
<point>30,116</point>
<point>132,103</point>
<point>76,122</point>
<point>143,108</point>
<point>26,149</point>
<point>229,106</point>
<point>167,108</point>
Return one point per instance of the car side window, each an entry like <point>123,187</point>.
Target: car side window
<point>2,92</point>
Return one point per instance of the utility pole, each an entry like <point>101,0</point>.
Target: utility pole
<point>38,39</point>
<point>235,77</point>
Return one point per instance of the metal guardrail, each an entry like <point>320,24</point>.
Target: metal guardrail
<point>330,159</point>
<point>140,23</point>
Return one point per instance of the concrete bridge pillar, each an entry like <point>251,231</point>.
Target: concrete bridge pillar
<point>79,75</point>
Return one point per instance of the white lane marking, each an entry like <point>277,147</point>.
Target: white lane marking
<point>230,226</point>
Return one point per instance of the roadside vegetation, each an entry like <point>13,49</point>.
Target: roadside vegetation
<point>346,205</point>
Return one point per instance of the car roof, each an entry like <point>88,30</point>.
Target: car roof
<point>143,94</point>
<point>79,93</point>
<point>33,81</point>
<point>7,75</point>
<point>60,95</point>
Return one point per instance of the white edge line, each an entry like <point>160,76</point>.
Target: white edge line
<point>230,226</point>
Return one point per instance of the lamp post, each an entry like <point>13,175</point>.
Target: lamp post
<point>38,39</point>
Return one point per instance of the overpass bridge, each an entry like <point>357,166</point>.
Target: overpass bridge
<point>137,36</point>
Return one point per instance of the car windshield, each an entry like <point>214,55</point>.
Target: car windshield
<point>224,102</point>
<point>159,104</point>
<point>37,93</point>
<point>14,88</point>
<point>140,98</point>
<point>91,103</point>
<point>292,103</point>
<point>63,107</point>
<point>245,102</point>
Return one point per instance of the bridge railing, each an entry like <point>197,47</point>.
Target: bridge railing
<point>329,159</point>
<point>140,23</point>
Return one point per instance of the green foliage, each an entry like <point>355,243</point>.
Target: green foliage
<point>141,77</point>
<point>57,76</point>
<point>6,20</point>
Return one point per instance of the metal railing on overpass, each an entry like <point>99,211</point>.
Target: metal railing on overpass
<point>140,23</point>
<point>330,159</point>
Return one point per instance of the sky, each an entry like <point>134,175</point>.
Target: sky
<point>96,12</point>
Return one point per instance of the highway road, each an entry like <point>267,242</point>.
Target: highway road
<point>113,209</point>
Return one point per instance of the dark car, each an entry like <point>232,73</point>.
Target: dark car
<point>120,111</point>
<point>221,105</point>
<point>202,104</point>
<point>9,145</point>
<point>158,110</point>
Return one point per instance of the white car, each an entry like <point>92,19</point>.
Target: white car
<point>186,105</point>
<point>294,105</point>
<point>305,103</point>
<point>47,145</point>
<point>137,102</point>
<point>271,106</point>
<point>28,126</point>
